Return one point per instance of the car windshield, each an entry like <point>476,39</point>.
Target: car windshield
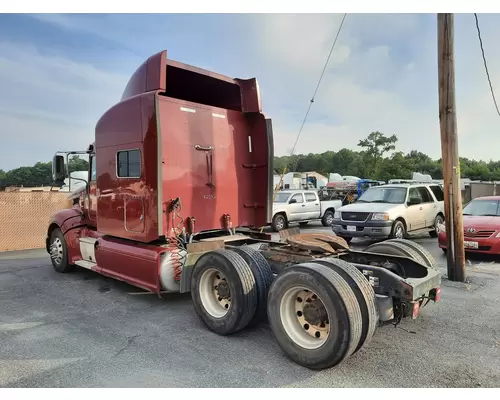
<point>378,194</point>
<point>478,208</point>
<point>282,197</point>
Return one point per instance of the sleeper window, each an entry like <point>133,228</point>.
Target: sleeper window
<point>129,164</point>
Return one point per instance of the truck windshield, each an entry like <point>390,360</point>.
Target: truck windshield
<point>377,194</point>
<point>282,197</point>
<point>478,208</point>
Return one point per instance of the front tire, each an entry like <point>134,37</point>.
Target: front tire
<point>398,230</point>
<point>327,219</point>
<point>279,222</point>
<point>59,252</point>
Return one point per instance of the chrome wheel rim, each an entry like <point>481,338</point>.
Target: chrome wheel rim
<point>56,251</point>
<point>214,292</point>
<point>304,318</point>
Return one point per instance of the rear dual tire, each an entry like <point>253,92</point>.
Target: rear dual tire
<point>229,289</point>
<point>338,318</point>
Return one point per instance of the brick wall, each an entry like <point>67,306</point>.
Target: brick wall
<point>24,218</point>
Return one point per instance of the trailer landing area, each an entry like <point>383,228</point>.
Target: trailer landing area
<point>82,329</point>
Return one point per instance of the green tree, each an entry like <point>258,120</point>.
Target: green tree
<point>376,145</point>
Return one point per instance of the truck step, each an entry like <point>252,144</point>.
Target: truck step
<point>86,264</point>
<point>88,240</point>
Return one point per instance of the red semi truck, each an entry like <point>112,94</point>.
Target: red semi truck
<point>180,180</point>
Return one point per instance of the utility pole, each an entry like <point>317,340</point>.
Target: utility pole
<point>449,149</point>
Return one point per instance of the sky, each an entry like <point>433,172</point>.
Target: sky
<point>60,73</point>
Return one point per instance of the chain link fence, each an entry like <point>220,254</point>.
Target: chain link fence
<point>24,217</point>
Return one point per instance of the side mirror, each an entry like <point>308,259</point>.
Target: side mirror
<point>58,169</point>
<point>293,201</point>
<point>414,201</point>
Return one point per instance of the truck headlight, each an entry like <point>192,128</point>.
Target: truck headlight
<point>380,217</point>
<point>336,215</point>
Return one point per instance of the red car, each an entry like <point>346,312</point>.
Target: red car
<point>481,226</point>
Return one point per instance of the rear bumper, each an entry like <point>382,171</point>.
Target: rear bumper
<point>484,246</point>
<point>371,229</point>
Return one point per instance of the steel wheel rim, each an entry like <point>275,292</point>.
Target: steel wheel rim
<point>399,232</point>
<point>301,331</point>
<point>215,298</point>
<point>280,222</point>
<point>56,251</point>
<point>329,219</point>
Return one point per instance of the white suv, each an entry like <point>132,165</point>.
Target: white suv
<point>392,211</point>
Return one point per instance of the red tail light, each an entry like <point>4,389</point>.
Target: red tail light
<point>435,294</point>
<point>416,309</point>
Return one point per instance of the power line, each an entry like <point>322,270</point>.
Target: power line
<point>485,64</point>
<point>316,90</point>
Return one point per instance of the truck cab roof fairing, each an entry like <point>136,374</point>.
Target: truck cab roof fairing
<point>150,76</point>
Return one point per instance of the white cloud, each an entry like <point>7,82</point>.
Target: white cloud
<point>49,103</point>
<point>388,82</point>
<point>382,76</point>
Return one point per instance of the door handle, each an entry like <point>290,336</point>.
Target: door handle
<point>421,208</point>
<point>303,205</point>
<point>317,204</point>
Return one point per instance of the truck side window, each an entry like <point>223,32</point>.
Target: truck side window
<point>93,170</point>
<point>310,197</point>
<point>128,164</point>
<point>298,197</point>
<point>414,193</point>
<point>425,195</point>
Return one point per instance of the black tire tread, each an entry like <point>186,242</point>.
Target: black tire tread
<point>65,266</point>
<point>349,299</point>
<point>323,219</point>
<point>364,294</point>
<point>246,280</point>
<point>398,221</point>
<point>274,222</point>
<point>347,324</point>
<point>263,278</point>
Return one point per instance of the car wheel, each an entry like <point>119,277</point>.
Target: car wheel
<point>438,221</point>
<point>398,230</point>
<point>327,219</point>
<point>279,222</point>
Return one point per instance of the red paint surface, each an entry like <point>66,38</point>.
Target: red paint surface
<point>150,118</point>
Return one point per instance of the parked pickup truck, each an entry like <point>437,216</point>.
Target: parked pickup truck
<point>392,211</point>
<point>302,206</point>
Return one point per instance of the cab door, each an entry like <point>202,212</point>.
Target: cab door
<point>296,209</point>
<point>414,212</point>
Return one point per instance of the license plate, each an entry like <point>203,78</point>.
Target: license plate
<point>471,245</point>
<point>351,228</point>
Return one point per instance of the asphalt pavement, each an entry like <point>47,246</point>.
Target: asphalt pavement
<point>85,330</point>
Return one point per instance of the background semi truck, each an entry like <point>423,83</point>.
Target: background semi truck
<point>180,180</point>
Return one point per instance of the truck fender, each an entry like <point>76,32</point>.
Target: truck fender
<point>64,220</point>
<point>281,211</point>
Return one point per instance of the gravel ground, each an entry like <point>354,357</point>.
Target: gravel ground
<point>84,330</point>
